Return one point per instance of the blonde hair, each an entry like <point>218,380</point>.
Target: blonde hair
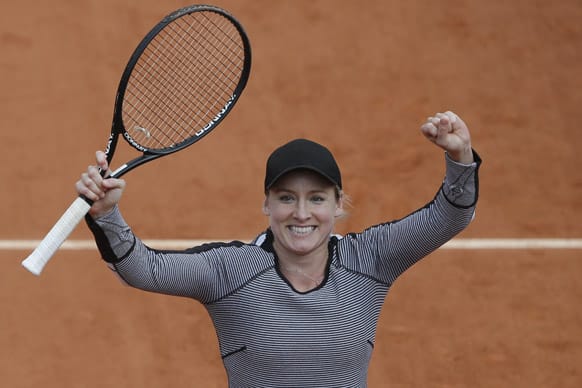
<point>340,195</point>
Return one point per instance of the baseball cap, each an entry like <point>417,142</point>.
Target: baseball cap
<point>298,154</point>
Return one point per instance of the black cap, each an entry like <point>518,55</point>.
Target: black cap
<point>302,153</point>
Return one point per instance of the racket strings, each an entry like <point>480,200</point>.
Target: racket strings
<point>209,85</point>
<point>232,48</point>
<point>186,80</point>
<point>173,87</point>
<point>183,80</point>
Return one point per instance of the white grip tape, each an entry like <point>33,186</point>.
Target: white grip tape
<point>56,236</point>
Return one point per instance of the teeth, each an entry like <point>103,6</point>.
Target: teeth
<point>301,229</point>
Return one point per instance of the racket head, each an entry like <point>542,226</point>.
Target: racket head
<point>181,81</point>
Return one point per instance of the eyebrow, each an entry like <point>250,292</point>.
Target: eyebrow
<point>282,189</point>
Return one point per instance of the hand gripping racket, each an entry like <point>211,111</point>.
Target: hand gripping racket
<point>181,81</point>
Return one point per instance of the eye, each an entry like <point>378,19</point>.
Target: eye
<point>318,198</point>
<point>285,198</point>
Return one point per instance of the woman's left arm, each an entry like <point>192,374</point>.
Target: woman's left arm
<point>399,244</point>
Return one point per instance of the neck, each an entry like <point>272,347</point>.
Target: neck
<point>308,270</point>
<point>315,279</point>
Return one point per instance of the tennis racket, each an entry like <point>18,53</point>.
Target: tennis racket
<point>181,81</point>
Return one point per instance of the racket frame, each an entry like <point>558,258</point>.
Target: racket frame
<point>117,127</point>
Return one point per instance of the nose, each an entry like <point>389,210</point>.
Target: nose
<point>302,211</point>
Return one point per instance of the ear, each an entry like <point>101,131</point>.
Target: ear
<point>339,210</point>
<point>266,210</point>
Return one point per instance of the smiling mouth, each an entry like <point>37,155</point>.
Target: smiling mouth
<point>301,230</point>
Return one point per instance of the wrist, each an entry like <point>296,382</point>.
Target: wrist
<point>100,213</point>
<point>463,156</point>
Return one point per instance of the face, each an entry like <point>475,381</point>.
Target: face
<point>302,207</point>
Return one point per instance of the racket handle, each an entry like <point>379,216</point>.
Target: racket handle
<point>36,261</point>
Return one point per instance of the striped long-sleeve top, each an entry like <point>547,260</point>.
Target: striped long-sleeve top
<point>271,335</point>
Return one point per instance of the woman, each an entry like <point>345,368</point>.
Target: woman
<point>297,307</point>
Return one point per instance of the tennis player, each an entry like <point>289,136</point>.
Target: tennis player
<point>299,305</point>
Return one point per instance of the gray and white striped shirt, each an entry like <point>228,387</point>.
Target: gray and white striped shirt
<point>271,335</point>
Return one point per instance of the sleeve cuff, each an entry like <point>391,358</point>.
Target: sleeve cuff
<point>113,236</point>
<point>461,184</point>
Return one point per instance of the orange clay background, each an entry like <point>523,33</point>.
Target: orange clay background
<point>360,77</point>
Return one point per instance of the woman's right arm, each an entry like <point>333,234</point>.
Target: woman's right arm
<point>136,264</point>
